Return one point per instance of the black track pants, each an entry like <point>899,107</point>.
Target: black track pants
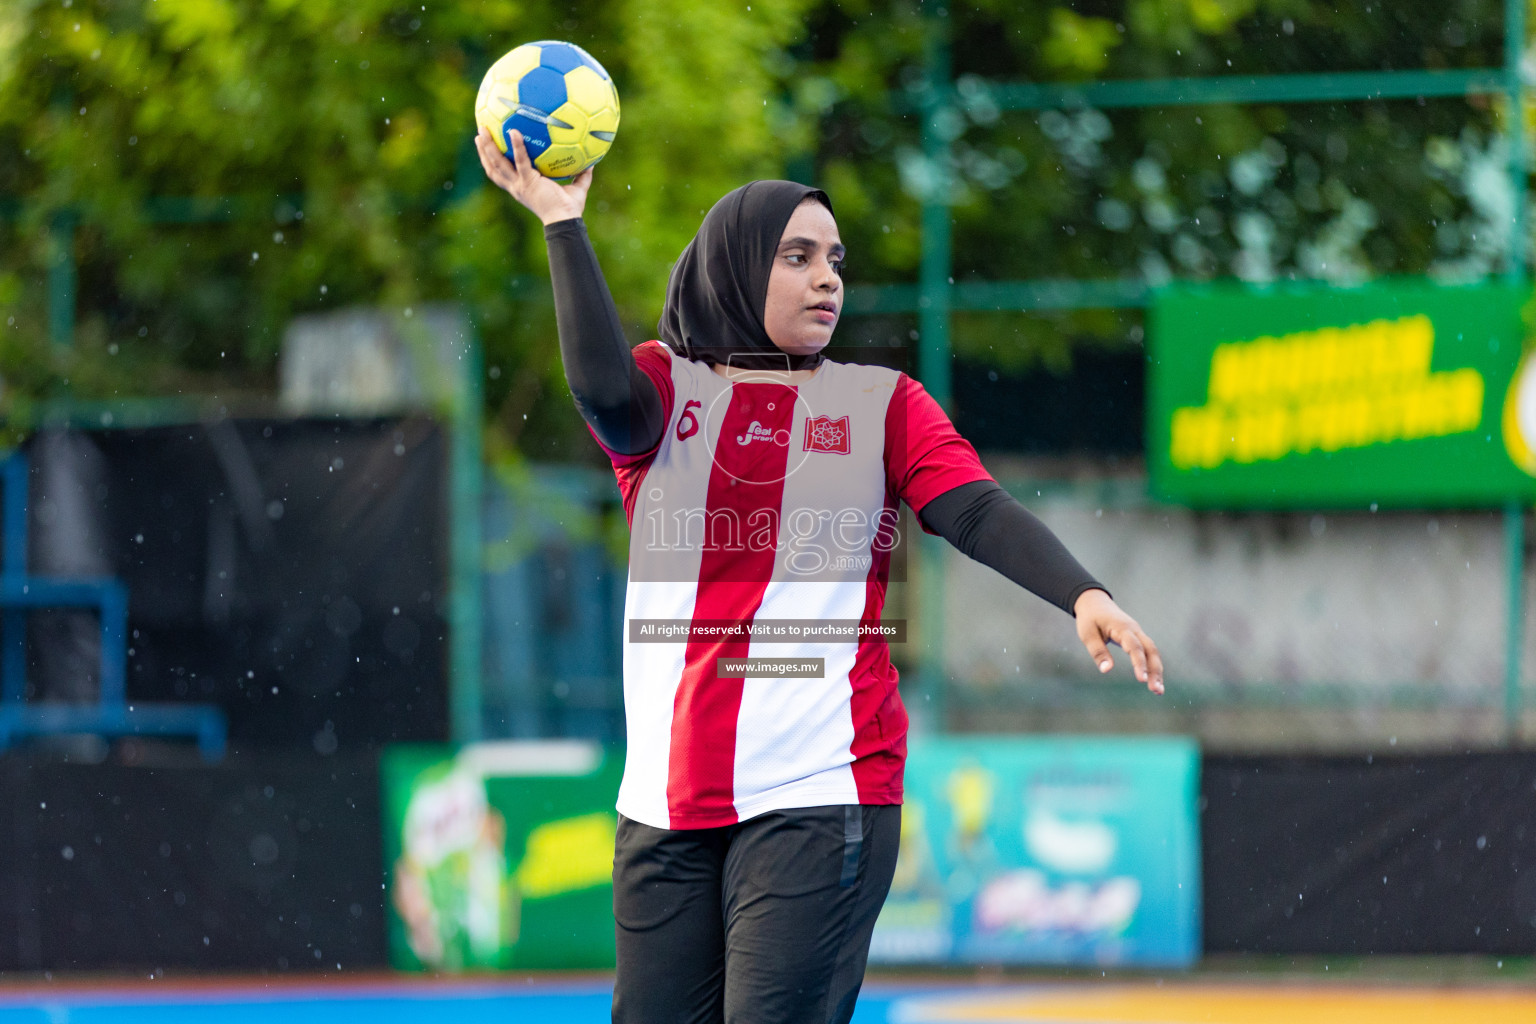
<point>763,922</point>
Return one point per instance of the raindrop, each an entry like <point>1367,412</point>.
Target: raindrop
<point>325,741</point>
<point>264,849</point>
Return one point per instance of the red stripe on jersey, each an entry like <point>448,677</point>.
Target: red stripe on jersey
<point>732,578</point>
<point>924,453</point>
<point>879,720</point>
<point>655,361</point>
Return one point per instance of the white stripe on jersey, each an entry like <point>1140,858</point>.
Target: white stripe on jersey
<point>794,737</point>
<point>651,674</point>
<point>663,583</point>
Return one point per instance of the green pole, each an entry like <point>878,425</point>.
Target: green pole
<point>466,613</point>
<point>1514,558</point>
<point>465,623</point>
<point>1514,133</point>
<point>1514,513</point>
<point>933,350</point>
<point>61,279</point>
<point>936,268</point>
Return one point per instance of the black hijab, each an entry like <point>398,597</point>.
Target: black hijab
<point>716,294</point>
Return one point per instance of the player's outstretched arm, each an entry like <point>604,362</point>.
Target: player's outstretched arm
<point>986,523</point>
<point>1101,622</point>
<point>614,396</point>
<point>925,454</point>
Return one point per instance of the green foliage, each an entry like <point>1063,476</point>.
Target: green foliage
<point>1079,45</point>
<point>1336,191</point>
<point>338,130</point>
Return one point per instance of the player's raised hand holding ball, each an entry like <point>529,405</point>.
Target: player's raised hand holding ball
<point>549,200</point>
<point>547,112</point>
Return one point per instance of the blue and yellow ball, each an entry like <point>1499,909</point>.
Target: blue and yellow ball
<point>559,97</point>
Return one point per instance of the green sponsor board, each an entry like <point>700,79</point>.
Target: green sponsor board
<point>500,855</point>
<point>1394,394</point>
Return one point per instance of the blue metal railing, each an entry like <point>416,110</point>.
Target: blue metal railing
<point>110,714</point>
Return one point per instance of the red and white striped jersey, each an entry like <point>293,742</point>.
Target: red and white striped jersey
<point>765,503</point>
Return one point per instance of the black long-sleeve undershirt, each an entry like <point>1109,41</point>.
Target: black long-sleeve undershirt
<point>612,393</point>
<point>624,409</point>
<point>986,523</point>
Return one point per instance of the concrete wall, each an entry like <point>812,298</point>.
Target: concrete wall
<point>1355,616</point>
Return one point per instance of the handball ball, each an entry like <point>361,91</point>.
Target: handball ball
<point>561,100</point>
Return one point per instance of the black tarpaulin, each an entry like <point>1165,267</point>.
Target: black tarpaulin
<point>292,572</point>
<point>1433,854</point>
<point>266,862</point>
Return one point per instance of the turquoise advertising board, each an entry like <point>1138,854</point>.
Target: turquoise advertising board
<point>1399,393</point>
<point>1059,850</point>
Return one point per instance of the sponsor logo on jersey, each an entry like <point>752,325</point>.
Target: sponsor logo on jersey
<point>825,434</point>
<point>757,432</point>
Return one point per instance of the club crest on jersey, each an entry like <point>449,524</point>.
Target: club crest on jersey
<point>825,434</point>
<point>757,432</point>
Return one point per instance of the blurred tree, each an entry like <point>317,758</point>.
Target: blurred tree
<point>338,129</point>
<point>331,138</point>
<point>1328,191</point>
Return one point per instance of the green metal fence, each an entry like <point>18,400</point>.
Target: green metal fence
<point>934,297</point>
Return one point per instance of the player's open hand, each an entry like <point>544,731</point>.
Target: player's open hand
<point>1100,622</point>
<point>549,200</point>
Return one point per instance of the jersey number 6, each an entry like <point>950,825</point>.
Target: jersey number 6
<point>688,423</point>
